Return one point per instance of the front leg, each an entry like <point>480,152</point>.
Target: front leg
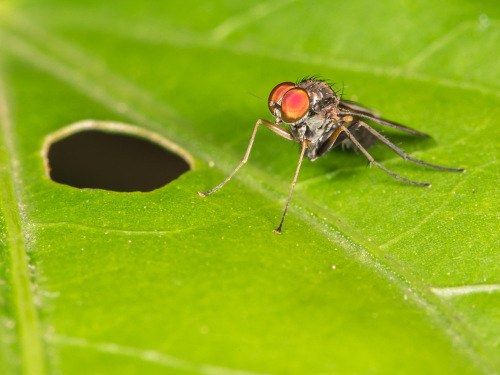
<point>305,144</point>
<point>281,131</point>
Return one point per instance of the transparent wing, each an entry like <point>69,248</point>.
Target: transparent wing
<point>354,109</point>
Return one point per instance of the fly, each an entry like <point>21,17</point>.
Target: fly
<point>320,120</point>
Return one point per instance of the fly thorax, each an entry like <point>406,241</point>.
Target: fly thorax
<point>321,95</point>
<point>317,127</point>
<point>299,131</point>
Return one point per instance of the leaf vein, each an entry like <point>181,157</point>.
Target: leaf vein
<point>436,210</point>
<point>32,355</point>
<point>153,356</point>
<point>465,290</point>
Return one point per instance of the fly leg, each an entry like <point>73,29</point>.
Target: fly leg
<point>305,144</point>
<point>373,161</point>
<point>282,132</point>
<point>333,140</point>
<point>329,143</point>
<point>401,153</point>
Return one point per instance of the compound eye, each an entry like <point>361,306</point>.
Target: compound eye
<point>276,95</point>
<point>295,105</point>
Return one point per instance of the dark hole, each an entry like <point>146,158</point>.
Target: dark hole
<point>110,161</point>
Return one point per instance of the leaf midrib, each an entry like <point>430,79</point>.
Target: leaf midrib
<point>32,354</point>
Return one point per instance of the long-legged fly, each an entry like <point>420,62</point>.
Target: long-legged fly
<point>319,119</point>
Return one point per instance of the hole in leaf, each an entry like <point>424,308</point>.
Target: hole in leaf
<point>97,159</point>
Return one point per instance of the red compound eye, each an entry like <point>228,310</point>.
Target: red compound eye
<point>277,93</point>
<point>295,105</point>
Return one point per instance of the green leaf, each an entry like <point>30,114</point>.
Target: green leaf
<point>370,276</point>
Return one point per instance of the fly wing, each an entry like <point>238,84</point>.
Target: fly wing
<point>356,107</point>
<point>357,110</point>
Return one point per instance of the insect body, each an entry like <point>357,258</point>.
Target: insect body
<point>320,120</point>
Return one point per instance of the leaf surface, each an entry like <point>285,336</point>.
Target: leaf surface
<point>370,275</point>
